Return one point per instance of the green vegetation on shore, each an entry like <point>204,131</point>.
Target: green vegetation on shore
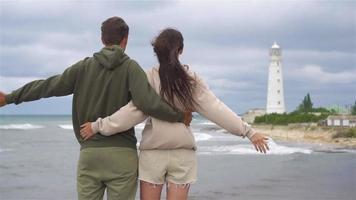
<point>305,113</point>
<point>306,105</point>
<point>353,109</point>
<point>294,117</point>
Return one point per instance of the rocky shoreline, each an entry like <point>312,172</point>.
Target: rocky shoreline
<point>307,134</point>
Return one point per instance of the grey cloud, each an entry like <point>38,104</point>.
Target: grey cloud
<point>225,43</point>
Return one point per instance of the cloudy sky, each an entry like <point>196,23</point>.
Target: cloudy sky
<point>226,42</point>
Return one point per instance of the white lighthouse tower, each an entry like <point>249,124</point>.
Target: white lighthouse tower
<point>275,94</point>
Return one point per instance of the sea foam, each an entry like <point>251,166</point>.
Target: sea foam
<point>248,149</point>
<point>4,150</point>
<point>202,136</point>
<point>20,126</point>
<point>208,123</point>
<point>66,126</point>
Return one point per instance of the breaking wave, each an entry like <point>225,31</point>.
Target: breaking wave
<point>20,126</point>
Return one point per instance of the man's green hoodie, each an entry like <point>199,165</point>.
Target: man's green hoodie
<point>101,85</point>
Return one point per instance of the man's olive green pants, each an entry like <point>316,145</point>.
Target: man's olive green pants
<point>110,168</point>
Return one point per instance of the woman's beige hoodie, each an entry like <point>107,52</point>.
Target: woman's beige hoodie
<point>159,134</point>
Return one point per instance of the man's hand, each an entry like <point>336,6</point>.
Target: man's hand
<point>260,143</point>
<point>2,99</point>
<point>188,117</point>
<point>86,131</point>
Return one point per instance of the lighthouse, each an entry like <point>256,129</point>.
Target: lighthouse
<point>275,93</point>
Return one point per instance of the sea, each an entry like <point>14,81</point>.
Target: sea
<point>39,153</point>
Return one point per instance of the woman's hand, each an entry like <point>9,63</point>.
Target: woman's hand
<point>260,142</point>
<point>2,99</point>
<point>188,117</point>
<point>86,131</point>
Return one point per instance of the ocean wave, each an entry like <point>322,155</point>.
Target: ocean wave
<point>20,126</point>
<point>202,136</point>
<point>4,150</point>
<point>66,126</point>
<point>207,123</point>
<point>338,150</point>
<point>248,149</point>
<point>215,136</point>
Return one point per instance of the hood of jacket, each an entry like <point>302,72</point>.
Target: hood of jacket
<point>111,57</point>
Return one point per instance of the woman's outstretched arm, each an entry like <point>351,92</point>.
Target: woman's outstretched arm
<point>122,120</point>
<point>216,111</point>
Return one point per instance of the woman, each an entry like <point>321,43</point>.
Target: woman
<point>167,150</point>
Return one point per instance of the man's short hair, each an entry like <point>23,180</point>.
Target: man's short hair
<point>114,30</point>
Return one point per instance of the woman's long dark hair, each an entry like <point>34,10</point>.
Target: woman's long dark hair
<point>176,84</point>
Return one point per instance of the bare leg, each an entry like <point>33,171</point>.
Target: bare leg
<point>150,191</point>
<point>177,192</point>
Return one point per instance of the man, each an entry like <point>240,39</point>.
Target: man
<point>101,85</point>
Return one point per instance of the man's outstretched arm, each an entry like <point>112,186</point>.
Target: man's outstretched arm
<point>145,98</point>
<point>59,85</point>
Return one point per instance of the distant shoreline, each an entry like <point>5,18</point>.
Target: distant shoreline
<point>289,133</point>
<point>305,134</point>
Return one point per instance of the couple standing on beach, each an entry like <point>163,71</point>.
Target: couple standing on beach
<point>112,94</point>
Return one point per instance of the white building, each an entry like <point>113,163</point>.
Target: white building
<point>341,120</point>
<point>275,93</point>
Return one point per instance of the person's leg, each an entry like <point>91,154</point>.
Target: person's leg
<point>89,188</point>
<point>181,172</point>
<point>150,191</point>
<point>121,173</point>
<point>152,172</point>
<point>89,185</point>
<point>177,191</point>
<point>122,189</point>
